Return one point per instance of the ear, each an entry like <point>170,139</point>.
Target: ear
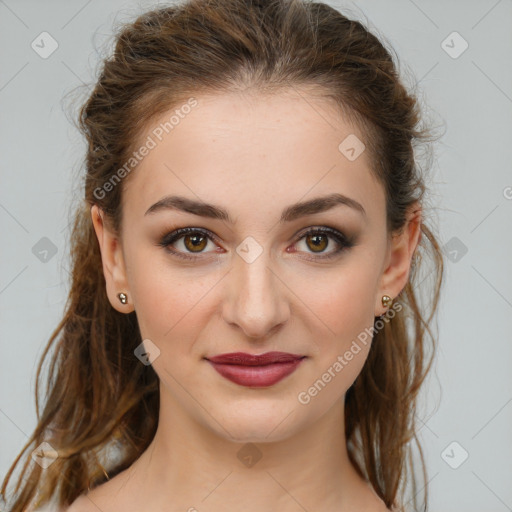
<point>398,262</point>
<point>113,261</point>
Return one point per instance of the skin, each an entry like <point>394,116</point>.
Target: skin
<point>252,155</point>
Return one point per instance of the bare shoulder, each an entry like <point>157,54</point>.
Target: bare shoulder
<point>110,496</point>
<point>93,501</point>
<point>381,507</point>
<point>81,504</point>
<point>375,503</point>
<point>378,506</point>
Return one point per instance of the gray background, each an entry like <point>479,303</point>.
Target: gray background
<point>468,397</point>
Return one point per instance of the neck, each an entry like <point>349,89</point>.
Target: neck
<point>193,467</point>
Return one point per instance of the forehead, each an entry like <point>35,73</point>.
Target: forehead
<point>252,152</point>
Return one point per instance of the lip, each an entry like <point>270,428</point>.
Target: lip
<point>253,370</point>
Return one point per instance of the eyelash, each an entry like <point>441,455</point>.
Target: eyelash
<point>343,242</point>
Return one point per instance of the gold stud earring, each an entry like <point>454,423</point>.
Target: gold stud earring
<point>386,300</point>
<point>122,297</point>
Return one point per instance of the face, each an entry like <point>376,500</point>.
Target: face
<point>250,281</point>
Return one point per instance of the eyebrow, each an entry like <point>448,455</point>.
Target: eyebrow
<point>290,213</point>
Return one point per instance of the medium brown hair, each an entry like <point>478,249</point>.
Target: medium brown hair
<point>99,396</point>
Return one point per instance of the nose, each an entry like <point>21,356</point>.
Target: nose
<point>256,300</point>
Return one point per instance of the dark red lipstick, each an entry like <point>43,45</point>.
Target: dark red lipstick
<point>255,370</point>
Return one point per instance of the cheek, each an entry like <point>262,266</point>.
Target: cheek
<point>344,301</point>
<point>342,304</point>
<point>168,300</point>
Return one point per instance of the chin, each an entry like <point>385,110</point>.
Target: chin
<point>256,425</point>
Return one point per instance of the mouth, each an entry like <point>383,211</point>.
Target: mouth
<point>252,370</point>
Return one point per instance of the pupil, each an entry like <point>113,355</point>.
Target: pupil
<point>317,239</point>
<point>195,240</point>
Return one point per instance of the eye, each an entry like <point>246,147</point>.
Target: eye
<point>195,240</point>
<point>318,240</point>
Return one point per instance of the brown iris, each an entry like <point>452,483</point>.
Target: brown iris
<point>316,243</point>
<point>196,242</point>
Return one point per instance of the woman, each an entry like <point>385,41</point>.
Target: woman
<point>243,330</point>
